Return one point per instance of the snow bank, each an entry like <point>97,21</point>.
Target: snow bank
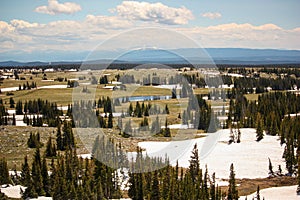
<point>12,191</point>
<point>84,156</point>
<point>177,86</point>
<point>53,87</point>
<point>42,198</point>
<point>179,126</point>
<point>9,89</point>
<point>250,158</point>
<point>276,193</point>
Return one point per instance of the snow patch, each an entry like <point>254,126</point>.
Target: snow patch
<point>250,158</point>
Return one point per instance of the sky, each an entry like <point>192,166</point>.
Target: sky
<point>50,30</point>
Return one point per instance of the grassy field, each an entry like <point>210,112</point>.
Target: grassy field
<point>252,97</point>
<point>13,143</point>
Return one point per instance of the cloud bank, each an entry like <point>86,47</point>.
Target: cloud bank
<point>54,7</point>
<point>155,12</point>
<point>84,35</point>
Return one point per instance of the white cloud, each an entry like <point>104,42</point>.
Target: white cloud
<point>73,36</point>
<point>54,7</point>
<point>153,12</point>
<point>22,24</point>
<point>245,36</point>
<point>5,27</point>
<point>109,22</point>
<point>212,15</point>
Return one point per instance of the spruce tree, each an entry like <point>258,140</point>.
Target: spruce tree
<point>194,168</point>
<point>270,167</point>
<point>110,120</point>
<point>4,174</point>
<point>257,193</point>
<point>59,139</point>
<point>50,148</point>
<point>259,128</point>
<point>45,177</point>
<point>25,173</point>
<point>155,194</point>
<point>232,189</point>
<point>213,187</point>
<point>167,132</point>
<point>36,173</point>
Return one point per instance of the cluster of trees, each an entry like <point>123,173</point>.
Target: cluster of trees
<point>246,84</point>
<point>279,71</point>
<point>3,114</point>
<point>270,115</point>
<point>103,80</point>
<point>64,138</point>
<point>267,112</point>
<point>168,182</point>
<point>45,111</point>
<point>291,138</point>
<point>72,84</point>
<point>34,140</point>
<point>28,86</point>
<point>139,110</point>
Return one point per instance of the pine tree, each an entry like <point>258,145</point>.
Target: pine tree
<point>50,148</point>
<point>167,109</point>
<point>167,132</point>
<point>194,168</point>
<point>36,173</point>
<point>270,167</point>
<point>25,173</point>
<point>259,128</point>
<point>11,102</point>
<point>155,128</point>
<point>155,195</point>
<point>174,95</point>
<point>110,120</point>
<point>59,139</point>
<point>14,120</point>
<point>232,189</point>
<point>205,185</point>
<point>213,187</point>
<point>257,193</point>
<point>45,177</point>
<point>4,174</point>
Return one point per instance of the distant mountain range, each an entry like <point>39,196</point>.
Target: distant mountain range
<point>182,56</point>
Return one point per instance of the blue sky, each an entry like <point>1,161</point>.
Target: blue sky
<point>69,27</point>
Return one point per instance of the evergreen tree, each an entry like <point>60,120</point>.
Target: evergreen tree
<point>257,193</point>
<point>259,128</point>
<point>50,148</point>
<point>14,120</point>
<point>25,173</point>
<point>155,127</point>
<point>4,174</point>
<point>167,131</point>
<point>155,195</point>
<point>59,139</point>
<point>232,189</point>
<point>11,102</point>
<point>270,167</point>
<point>36,173</point>
<point>45,177</point>
<point>194,168</point>
<point>110,120</point>
<point>213,187</point>
<point>19,108</point>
